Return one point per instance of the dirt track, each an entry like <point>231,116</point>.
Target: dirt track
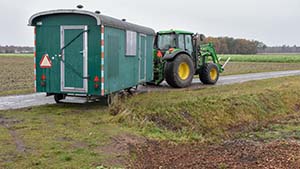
<point>22,101</point>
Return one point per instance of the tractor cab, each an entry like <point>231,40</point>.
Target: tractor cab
<point>174,39</point>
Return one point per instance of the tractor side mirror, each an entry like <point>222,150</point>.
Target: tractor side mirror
<point>202,37</point>
<point>199,37</point>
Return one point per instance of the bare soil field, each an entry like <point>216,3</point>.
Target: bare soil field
<point>275,144</point>
<point>16,74</point>
<point>238,154</point>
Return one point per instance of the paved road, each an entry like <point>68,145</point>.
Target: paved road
<point>22,101</point>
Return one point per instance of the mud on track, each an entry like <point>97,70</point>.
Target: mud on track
<point>6,123</point>
<point>236,154</point>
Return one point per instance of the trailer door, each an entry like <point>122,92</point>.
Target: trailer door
<point>74,59</point>
<point>142,58</point>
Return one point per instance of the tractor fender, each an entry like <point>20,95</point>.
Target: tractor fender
<point>171,56</point>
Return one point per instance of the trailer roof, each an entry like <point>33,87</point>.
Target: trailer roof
<point>175,31</point>
<point>101,20</point>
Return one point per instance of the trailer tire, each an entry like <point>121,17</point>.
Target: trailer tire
<point>179,72</point>
<point>59,97</point>
<point>209,73</point>
<point>152,83</point>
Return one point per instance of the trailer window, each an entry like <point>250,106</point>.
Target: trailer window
<point>131,43</point>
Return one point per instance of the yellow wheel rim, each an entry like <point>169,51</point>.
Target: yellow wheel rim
<point>213,74</point>
<point>184,71</point>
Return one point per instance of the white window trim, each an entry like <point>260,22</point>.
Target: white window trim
<point>131,43</point>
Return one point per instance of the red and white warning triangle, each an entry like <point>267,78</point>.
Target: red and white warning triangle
<point>45,62</point>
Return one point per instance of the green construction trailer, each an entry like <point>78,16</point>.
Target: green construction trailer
<point>178,56</point>
<point>84,53</point>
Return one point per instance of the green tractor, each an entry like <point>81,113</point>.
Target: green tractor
<point>178,56</point>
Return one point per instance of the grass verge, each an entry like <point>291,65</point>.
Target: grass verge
<point>15,55</point>
<point>282,58</point>
<point>283,129</point>
<point>57,136</point>
<point>210,114</point>
<point>234,68</point>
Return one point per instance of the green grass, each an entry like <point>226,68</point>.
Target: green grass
<point>287,128</point>
<point>282,58</point>
<point>208,114</point>
<point>234,68</point>
<point>15,55</point>
<point>73,135</point>
<point>16,92</point>
<point>57,136</point>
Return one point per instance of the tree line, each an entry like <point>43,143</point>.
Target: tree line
<point>16,49</point>
<point>280,49</point>
<point>228,45</point>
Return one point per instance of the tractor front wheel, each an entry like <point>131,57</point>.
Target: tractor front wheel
<point>179,72</point>
<point>209,73</point>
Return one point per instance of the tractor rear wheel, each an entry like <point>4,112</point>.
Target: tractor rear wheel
<point>179,72</point>
<point>209,73</point>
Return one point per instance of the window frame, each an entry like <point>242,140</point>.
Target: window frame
<point>131,43</point>
<point>185,43</point>
<point>179,41</point>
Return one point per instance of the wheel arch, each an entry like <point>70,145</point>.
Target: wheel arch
<point>172,56</point>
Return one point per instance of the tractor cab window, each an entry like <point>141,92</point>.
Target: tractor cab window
<point>166,41</point>
<point>181,41</point>
<point>188,43</point>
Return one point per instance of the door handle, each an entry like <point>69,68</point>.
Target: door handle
<point>81,52</point>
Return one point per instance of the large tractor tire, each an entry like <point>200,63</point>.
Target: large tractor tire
<point>180,71</point>
<point>209,74</point>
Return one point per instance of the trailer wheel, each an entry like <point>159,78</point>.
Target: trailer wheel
<point>179,72</point>
<point>209,73</point>
<point>59,97</point>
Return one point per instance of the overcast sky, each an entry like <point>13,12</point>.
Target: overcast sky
<point>275,22</point>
